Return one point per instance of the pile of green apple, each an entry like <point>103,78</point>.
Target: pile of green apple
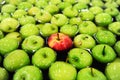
<point>59,40</point>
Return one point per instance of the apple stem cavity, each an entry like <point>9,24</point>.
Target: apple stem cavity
<point>103,52</point>
<point>92,71</point>
<point>44,55</point>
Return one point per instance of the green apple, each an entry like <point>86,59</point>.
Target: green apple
<point>41,4</point>
<point>4,15</point>
<point>86,15</point>
<point>62,71</point>
<point>75,21</point>
<point>28,30</point>
<point>1,34</point>
<point>8,8</point>
<point>11,26</point>
<point>56,2</point>
<point>24,6</point>
<point>99,3</point>
<point>118,2</point>
<point>96,10</point>
<point>27,20</point>
<point>19,13</point>
<point>112,70</point>
<point>117,18</point>
<point>103,19</point>
<point>33,11</point>
<point>32,43</point>
<point>15,60</point>
<point>44,57</point>
<point>84,41</point>
<point>28,73</point>
<point>103,53</point>
<point>90,74</point>
<point>70,11</point>
<point>7,45</point>
<point>31,1</point>
<point>111,3</point>
<point>3,74</point>
<point>47,29</point>
<point>43,16</point>
<point>114,27</point>
<point>87,27</point>
<point>84,1</point>
<point>70,1</point>
<point>63,5</point>
<point>77,57</point>
<point>117,47</point>
<point>59,20</point>
<point>14,2</point>
<point>52,8</point>
<point>14,35</point>
<point>70,30</point>
<point>80,6</point>
<point>112,11</point>
<point>105,37</point>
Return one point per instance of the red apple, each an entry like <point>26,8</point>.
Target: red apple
<point>60,42</point>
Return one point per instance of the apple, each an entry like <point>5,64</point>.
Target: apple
<point>31,1</point>
<point>90,74</point>
<point>14,2</point>
<point>84,1</point>
<point>103,53</point>
<point>114,27</point>
<point>56,2</point>
<point>28,30</point>
<point>4,15</point>
<point>27,20</point>
<point>70,30</point>
<point>52,8</point>
<point>111,3</point>
<point>24,6</point>
<point>77,57</point>
<point>48,29</point>
<point>8,8</point>
<point>86,15</point>
<point>70,11</point>
<point>112,70</point>
<point>7,45</point>
<point>1,34</point>
<point>80,6</point>
<point>117,18</point>
<point>70,1</point>
<point>75,21</point>
<point>32,43</point>
<point>87,27</point>
<point>112,11</point>
<point>99,3</point>
<point>19,57</point>
<point>44,57</point>
<point>14,35</point>
<point>62,71</point>
<point>60,42</point>
<point>41,4</point>
<point>33,11</point>
<point>59,20</point>
<point>63,5</point>
<point>43,16</point>
<point>11,26</point>
<point>28,73</point>
<point>3,74</point>
<point>103,19</point>
<point>96,10</point>
<point>19,13</point>
<point>105,37</point>
<point>117,47</point>
<point>84,41</point>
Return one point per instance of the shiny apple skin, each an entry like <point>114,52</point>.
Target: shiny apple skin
<point>60,42</point>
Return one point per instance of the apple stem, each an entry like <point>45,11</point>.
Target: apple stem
<point>103,52</point>
<point>58,38</point>
<point>92,72</point>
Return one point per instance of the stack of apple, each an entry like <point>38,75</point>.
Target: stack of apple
<point>59,40</point>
